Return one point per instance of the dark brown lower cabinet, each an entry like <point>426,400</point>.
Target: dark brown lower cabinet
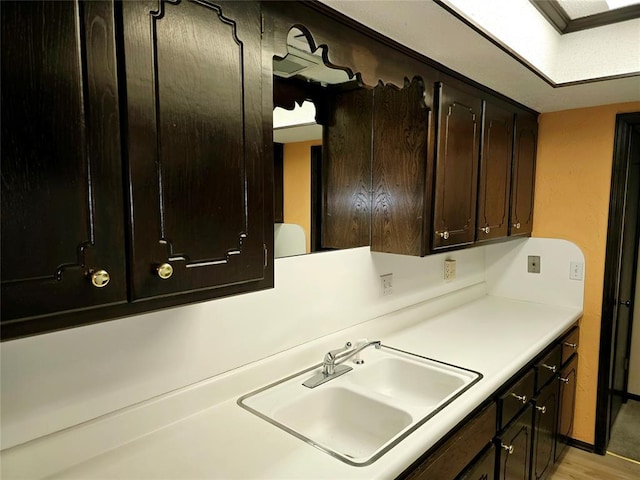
<point>514,448</point>
<point>532,414</point>
<point>457,451</point>
<point>545,428</point>
<point>567,398</point>
<point>484,468</point>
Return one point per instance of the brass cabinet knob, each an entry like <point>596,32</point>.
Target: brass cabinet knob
<point>164,271</point>
<point>445,234</point>
<point>542,409</point>
<point>516,225</point>
<point>99,278</point>
<point>563,380</point>
<point>571,345</point>
<point>486,229</point>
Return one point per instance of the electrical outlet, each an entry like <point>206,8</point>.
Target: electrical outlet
<point>449,269</point>
<point>533,264</point>
<point>576,270</point>
<point>387,284</point>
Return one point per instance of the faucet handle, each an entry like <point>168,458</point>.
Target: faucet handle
<point>331,354</point>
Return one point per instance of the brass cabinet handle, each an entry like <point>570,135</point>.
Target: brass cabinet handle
<point>164,271</point>
<point>99,278</point>
<point>445,234</point>
<point>571,345</point>
<point>486,229</point>
<point>563,380</point>
<point>522,398</point>
<point>508,448</point>
<point>542,409</point>
<point>516,225</point>
<point>553,368</point>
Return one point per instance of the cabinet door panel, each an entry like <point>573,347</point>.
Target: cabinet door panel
<point>523,176</point>
<point>482,469</point>
<point>545,430</point>
<point>568,378</point>
<point>515,465</point>
<point>347,170</point>
<point>400,169</point>
<point>61,167</point>
<point>193,73</point>
<point>457,157</point>
<point>495,174</point>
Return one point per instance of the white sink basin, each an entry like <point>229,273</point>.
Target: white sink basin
<point>343,420</point>
<point>359,416</point>
<point>420,384</point>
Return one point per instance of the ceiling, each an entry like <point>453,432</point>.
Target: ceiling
<point>509,46</point>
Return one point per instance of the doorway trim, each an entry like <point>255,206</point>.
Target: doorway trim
<point>625,123</point>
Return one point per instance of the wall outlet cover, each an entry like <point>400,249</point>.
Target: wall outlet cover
<point>533,264</point>
<point>387,283</point>
<point>449,269</point>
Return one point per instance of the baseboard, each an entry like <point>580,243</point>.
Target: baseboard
<point>587,447</point>
<point>633,396</point>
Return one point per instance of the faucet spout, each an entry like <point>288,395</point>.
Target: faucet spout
<point>333,359</point>
<point>336,357</point>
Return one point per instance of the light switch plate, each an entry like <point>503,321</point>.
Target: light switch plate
<point>576,271</point>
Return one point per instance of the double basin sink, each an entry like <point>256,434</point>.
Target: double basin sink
<point>360,415</point>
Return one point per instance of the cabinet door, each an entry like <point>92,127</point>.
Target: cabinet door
<point>545,410</point>
<point>459,118</point>
<point>523,175</point>
<point>195,146</point>
<point>514,449</point>
<point>346,168</point>
<point>568,377</point>
<point>483,468</point>
<point>400,169</point>
<point>495,174</point>
<point>62,215</point>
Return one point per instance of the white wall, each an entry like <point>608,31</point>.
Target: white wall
<point>53,381</point>
<point>634,357</point>
<point>507,274</point>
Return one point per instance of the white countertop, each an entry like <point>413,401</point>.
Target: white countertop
<point>219,439</point>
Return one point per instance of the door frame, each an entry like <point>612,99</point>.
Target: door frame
<point>625,123</point>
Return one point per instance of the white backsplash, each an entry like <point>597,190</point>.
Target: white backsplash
<point>53,381</point>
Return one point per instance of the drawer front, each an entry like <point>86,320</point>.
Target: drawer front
<point>450,459</point>
<point>548,367</point>
<point>515,397</point>
<point>569,344</point>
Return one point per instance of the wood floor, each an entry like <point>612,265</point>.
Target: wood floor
<point>580,465</point>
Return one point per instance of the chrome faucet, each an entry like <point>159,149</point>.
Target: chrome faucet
<point>331,366</point>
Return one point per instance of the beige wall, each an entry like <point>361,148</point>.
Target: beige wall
<point>573,176</point>
<point>297,185</point>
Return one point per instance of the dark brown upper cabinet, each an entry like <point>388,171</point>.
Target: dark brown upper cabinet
<point>523,174</point>
<point>495,173</point>
<point>181,83</point>
<point>62,210</point>
<point>346,169</point>
<point>400,169</point>
<point>194,143</point>
<point>458,130</point>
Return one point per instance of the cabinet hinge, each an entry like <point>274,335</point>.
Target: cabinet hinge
<point>626,363</point>
<point>261,24</point>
